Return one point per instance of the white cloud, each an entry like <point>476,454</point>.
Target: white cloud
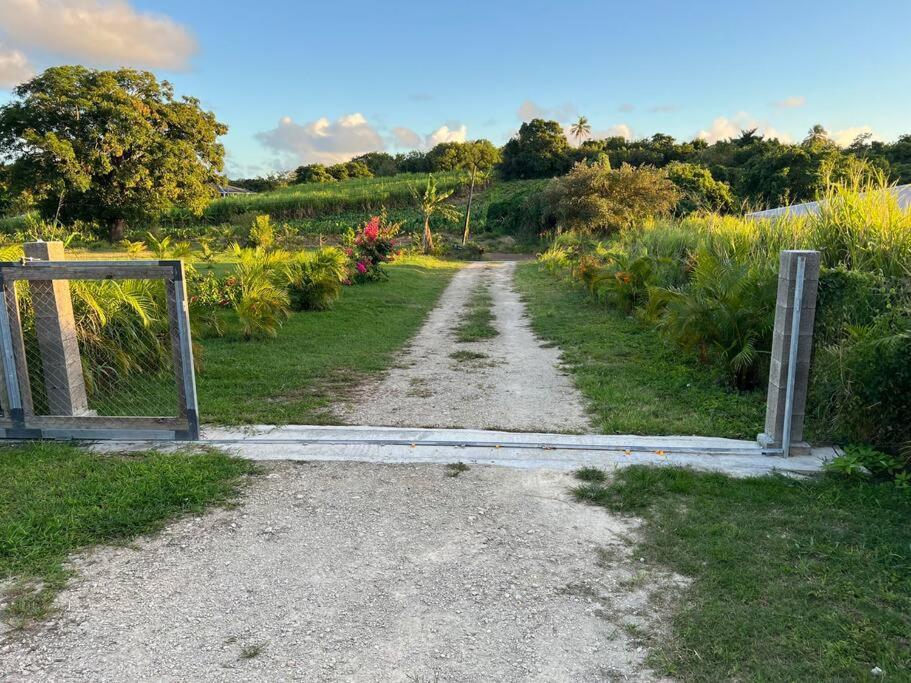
<point>323,141</point>
<point>619,130</point>
<point>98,32</point>
<point>529,110</point>
<point>723,128</point>
<point>447,134</point>
<point>626,107</point>
<point>791,102</point>
<point>846,136</point>
<point>405,137</point>
<point>14,68</point>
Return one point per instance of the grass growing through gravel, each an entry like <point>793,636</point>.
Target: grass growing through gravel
<point>477,322</point>
<point>792,580</point>
<point>454,469</point>
<point>635,382</point>
<point>318,356</point>
<point>464,356</point>
<point>56,499</point>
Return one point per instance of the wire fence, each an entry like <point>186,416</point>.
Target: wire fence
<point>92,348</point>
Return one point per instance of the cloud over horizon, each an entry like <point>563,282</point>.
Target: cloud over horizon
<point>331,142</point>
<point>322,141</point>
<point>846,136</point>
<point>14,68</point>
<point>97,32</point>
<point>723,128</point>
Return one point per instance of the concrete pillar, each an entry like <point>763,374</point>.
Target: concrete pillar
<point>55,327</point>
<point>781,346</point>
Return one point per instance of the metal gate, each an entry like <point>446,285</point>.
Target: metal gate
<point>96,350</point>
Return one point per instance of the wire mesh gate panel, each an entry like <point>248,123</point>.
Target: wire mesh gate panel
<point>96,350</point>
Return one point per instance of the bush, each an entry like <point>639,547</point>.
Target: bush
<point>371,247</point>
<point>861,385</point>
<point>315,279</point>
<point>862,461</point>
<point>596,199</point>
<point>727,311</point>
<point>261,233</point>
<point>699,191</point>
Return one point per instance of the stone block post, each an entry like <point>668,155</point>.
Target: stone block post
<point>55,327</point>
<point>776,402</point>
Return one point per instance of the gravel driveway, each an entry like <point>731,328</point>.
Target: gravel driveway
<point>515,385</point>
<point>342,571</point>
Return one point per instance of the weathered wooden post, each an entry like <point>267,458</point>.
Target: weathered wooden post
<point>55,327</point>
<point>792,344</point>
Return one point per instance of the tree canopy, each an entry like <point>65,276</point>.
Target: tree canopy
<point>109,146</point>
<point>539,150</point>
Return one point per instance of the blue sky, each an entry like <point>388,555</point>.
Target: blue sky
<point>305,81</point>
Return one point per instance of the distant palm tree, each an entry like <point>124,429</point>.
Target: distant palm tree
<point>432,201</point>
<point>580,129</point>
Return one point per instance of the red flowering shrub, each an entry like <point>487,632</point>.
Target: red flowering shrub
<point>370,247</point>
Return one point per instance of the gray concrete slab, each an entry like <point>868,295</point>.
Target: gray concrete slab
<point>554,452</point>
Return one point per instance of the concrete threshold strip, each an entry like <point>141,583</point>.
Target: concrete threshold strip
<point>559,452</point>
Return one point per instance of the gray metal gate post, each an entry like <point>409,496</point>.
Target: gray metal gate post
<point>792,345</point>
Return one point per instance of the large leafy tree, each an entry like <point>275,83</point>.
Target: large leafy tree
<point>592,198</point>
<point>109,146</point>
<point>539,150</point>
<point>477,157</point>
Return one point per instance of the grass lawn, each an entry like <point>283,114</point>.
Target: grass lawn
<point>792,580</point>
<point>635,382</point>
<point>56,499</point>
<point>318,355</point>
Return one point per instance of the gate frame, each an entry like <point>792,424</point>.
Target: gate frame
<point>20,422</point>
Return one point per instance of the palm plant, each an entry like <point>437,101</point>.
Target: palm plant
<point>315,278</point>
<point>580,129</point>
<point>263,302</point>
<point>136,248</point>
<point>727,310</point>
<point>431,202</point>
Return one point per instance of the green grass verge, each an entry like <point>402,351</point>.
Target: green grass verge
<point>791,580</point>
<point>477,321</point>
<point>635,382</point>
<point>56,499</point>
<point>318,356</point>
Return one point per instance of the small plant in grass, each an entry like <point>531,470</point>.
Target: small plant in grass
<point>161,247</point>
<point>864,461</point>
<point>454,469</point>
<point>315,278</point>
<point>261,233</point>
<point>134,249</point>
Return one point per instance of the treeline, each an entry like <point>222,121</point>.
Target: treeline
<point>750,170</point>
